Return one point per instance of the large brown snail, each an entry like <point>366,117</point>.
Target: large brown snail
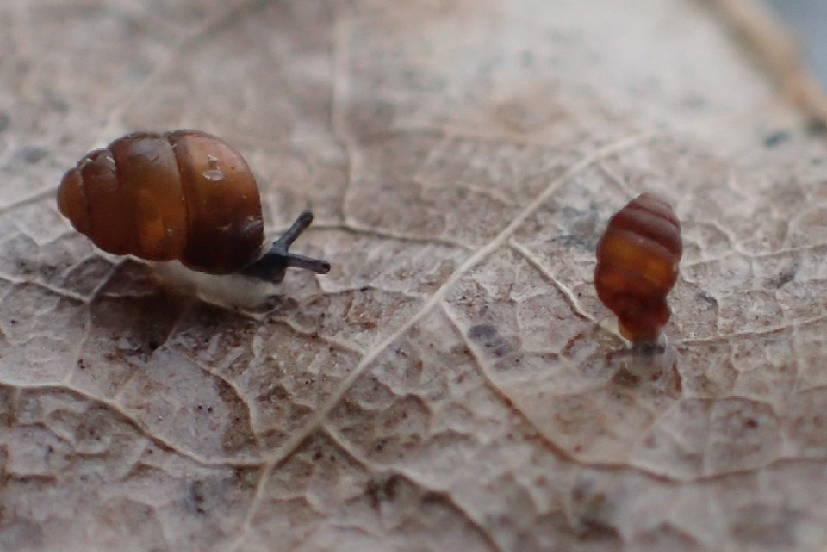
<point>183,195</point>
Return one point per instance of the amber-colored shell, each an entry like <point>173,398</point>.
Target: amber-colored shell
<point>637,265</point>
<point>183,195</point>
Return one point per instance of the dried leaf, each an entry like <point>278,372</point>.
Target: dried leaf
<point>453,383</point>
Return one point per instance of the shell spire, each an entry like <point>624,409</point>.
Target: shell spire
<point>637,266</point>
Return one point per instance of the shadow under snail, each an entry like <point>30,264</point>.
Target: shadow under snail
<point>637,266</point>
<point>183,195</point>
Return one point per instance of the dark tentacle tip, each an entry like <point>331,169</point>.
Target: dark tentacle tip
<point>275,262</point>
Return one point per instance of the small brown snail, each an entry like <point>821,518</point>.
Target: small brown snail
<point>183,195</point>
<point>637,266</point>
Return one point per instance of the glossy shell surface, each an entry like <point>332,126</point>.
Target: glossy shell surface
<point>183,195</point>
<point>637,265</point>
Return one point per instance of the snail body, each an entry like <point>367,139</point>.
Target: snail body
<point>183,195</point>
<point>637,265</point>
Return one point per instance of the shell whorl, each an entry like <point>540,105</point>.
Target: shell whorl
<point>637,265</point>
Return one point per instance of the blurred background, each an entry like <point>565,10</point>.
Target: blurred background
<point>808,19</point>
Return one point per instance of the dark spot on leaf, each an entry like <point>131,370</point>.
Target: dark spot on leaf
<point>574,241</point>
<point>596,529</point>
<point>816,127</point>
<point>593,513</point>
<point>625,378</point>
<point>704,296</point>
<point>196,497</point>
<point>776,138</point>
<point>482,332</point>
<point>486,336</point>
<point>382,490</point>
<point>274,395</point>
<point>782,278</point>
<point>31,154</point>
<point>432,497</point>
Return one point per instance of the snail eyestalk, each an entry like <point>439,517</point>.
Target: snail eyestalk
<point>273,264</point>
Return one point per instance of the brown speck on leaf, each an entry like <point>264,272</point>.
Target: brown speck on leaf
<point>625,378</point>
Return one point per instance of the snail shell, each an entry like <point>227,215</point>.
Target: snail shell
<point>637,265</point>
<point>183,195</point>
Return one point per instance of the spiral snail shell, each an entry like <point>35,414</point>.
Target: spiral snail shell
<point>637,266</point>
<point>183,195</point>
